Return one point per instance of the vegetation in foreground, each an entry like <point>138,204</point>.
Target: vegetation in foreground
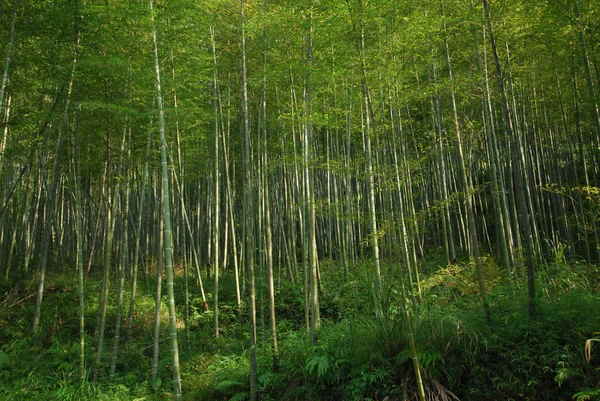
<point>462,355</point>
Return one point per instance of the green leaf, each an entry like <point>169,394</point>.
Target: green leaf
<point>587,394</point>
<point>227,384</point>
<point>155,383</point>
<point>403,356</point>
<point>239,396</point>
<point>318,363</point>
<point>564,373</point>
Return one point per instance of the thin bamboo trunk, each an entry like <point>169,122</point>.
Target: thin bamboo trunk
<point>267,207</point>
<point>248,246</point>
<point>167,216</point>
<point>8,54</point>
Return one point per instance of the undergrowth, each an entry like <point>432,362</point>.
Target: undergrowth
<point>462,356</point>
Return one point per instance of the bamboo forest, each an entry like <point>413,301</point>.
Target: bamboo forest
<point>300,200</point>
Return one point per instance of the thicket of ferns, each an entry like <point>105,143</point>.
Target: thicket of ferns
<point>453,125</point>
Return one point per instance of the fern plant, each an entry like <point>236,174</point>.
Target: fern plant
<point>318,362</point>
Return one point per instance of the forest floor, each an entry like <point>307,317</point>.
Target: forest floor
<point>462,355</point>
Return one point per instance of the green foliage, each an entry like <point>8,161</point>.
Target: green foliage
<point>365,381</point>
<point>47,366</point>
<point>229,377</point>
<point>587,394</point>
<point>356,359</point>
<point>539,352</point>
<point>564,373</point>
<point>456,283</point>
<point>155,383</point>
<point>430,361</point>
<point>317,364</point>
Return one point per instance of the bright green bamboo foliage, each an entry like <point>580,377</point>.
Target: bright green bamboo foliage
<point>167,216</point>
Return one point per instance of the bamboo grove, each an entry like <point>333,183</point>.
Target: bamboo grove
<point>257,139</point>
